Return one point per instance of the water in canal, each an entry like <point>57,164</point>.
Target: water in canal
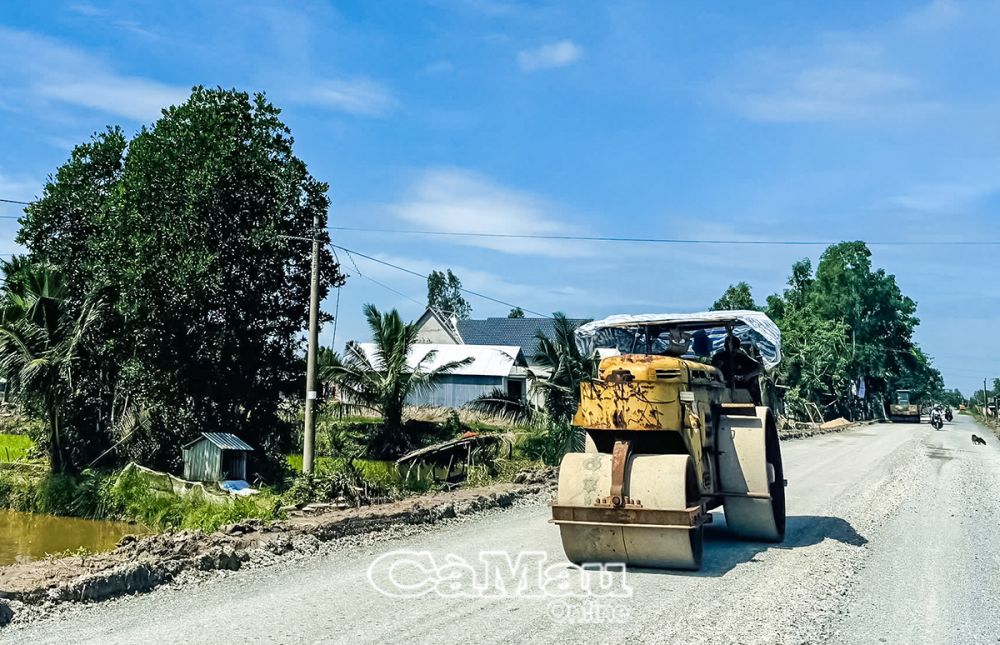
<point>27,536</point>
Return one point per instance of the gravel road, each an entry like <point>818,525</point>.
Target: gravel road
<point>890,539</point>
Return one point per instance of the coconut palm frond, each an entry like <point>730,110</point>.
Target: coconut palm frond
<point>41,334</point>
<point>498,404</point>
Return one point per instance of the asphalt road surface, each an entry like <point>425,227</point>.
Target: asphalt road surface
<point>892,538</point>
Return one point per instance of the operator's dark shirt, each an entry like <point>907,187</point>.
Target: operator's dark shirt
<point>742,364</point>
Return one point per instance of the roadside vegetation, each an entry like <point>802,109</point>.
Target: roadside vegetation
<point>547,429</point>
<point>15,447</point>
<point>114,495</point>
<point>845,323</point>
<point>164,293</point>
<point>379,384</point>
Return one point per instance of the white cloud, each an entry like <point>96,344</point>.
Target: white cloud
<point>543,297</point>
<point>957,196</point>
<point>842,82</point>
<point>937,14</point>
<point>943,196</point>
<point>136,28</point>
<point>87,9</point>
<point>455,200</point>
<point>842,76</point>
<point>132,97</point>
<point>559,54</point>
<point>360,96</point>
<point>40,72</point>
<point>835,93</point>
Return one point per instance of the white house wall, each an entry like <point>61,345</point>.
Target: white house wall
<point>431,331</point>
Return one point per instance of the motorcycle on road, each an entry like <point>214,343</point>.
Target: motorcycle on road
<point>937,418</point>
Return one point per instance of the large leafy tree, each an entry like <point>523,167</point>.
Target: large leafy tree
<point>846,322</point>
<point>194,227</point>
<point>918,375</point>
<point>444,294</point>
<point>381,383</point>
<point>41,341</point>
<point>737,297</point>
<point>880,319</point>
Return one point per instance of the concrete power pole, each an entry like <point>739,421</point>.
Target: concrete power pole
<point>309,433</point>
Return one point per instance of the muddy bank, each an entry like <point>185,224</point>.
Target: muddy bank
<point>140,564</point>
<point>806,430</point>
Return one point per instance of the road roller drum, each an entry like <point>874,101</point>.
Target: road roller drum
<point>631,534</point>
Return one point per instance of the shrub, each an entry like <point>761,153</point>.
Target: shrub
<point>549,443</point>
<point>126,496</point>
<point>15,447</point>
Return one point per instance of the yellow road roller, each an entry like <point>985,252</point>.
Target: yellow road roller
<point>675,427</point>
<point>903,411</point>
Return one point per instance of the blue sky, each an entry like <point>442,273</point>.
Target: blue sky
<point>773,121</point>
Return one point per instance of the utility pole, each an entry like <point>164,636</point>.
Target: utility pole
<point>309,433</point>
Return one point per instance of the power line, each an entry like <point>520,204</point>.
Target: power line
<point>404,270</point>
<point>421,275</point>
<point>381,284</point>
<point>659,240</point>
<point>609,238</point>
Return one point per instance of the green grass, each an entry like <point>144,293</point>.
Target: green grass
<point>15,447</point>
<point>368,467</point>
<point>127,497</point>
<point>379,475</point>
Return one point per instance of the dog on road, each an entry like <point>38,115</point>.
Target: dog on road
<point>978,441</point>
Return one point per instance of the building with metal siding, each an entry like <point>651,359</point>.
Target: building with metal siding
<point>455,390</point>
<point>215,456</point>
<point>492,367</point>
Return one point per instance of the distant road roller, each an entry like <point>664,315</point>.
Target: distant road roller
<point>903,411</point>
<point>675,427</point>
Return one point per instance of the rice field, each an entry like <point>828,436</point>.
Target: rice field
<point>14,447</point>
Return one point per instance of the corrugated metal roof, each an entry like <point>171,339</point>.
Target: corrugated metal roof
<point>223,440</point>
<point>510,331</point>
<point>488,360</point>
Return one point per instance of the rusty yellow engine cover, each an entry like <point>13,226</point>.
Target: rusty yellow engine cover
<point>636,392</point>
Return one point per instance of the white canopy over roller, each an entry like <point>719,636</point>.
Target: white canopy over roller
<point>627,332</point>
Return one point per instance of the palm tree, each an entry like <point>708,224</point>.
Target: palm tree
<point>567,367</point>
<point>381,383</point>
<point>40,340</point>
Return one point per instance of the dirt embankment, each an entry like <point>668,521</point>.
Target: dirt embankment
<point>141,564</point>
<point>797,430</point>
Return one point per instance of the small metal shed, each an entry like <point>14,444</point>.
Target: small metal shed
<point>215,456</point>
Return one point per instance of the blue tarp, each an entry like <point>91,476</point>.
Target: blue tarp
<point>237,487</point>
